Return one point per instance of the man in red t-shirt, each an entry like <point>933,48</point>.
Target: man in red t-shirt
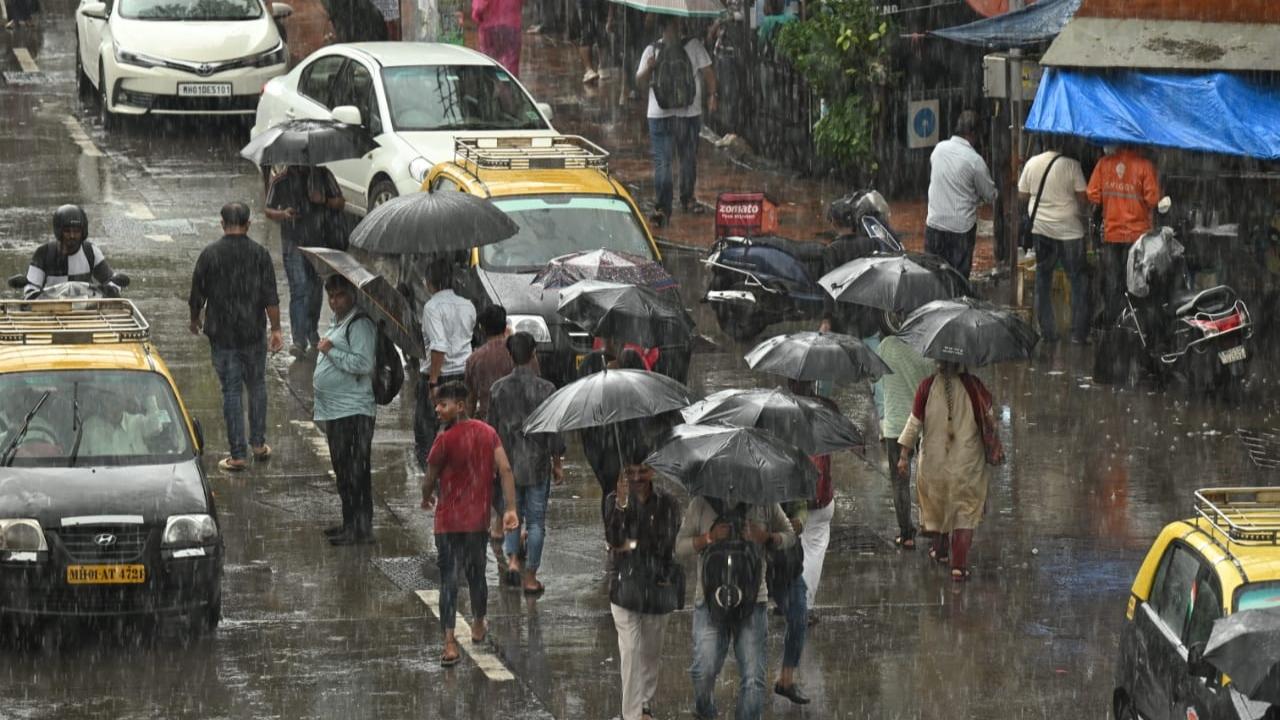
<point>461,463</point>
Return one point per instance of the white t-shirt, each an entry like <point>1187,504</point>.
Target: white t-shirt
<point>1059,214</point>
<point>700,59</point>
<point>447,322</point>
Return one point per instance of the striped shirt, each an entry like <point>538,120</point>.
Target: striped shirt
<point>50,267</point>
<point>958,181</point>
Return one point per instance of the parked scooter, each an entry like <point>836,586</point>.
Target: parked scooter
<point>75,289</point>
<point>758,278</point>
<point>1169,328</point>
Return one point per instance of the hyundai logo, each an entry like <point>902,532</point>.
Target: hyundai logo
<point>105,540</point>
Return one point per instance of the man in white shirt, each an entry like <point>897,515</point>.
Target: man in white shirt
<point>958,182</point>
<point>1058,236</point>
<point>448,322</point>
<point>675,129</point>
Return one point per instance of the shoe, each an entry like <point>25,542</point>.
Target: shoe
<point>262,452</point>
<point>590,76</point>
<point>533,30</point>
<point>658,219</point>
<point>298,351</point>
<point>791,693</point>
<point>336,530</point>
<point>350,537</point>
<point>228,464</point>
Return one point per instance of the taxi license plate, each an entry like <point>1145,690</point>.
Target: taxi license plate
<point>106,574</point>
<point>204,89</point>
<point>1232,355</point>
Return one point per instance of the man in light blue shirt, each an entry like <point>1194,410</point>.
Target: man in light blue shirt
<point>344,406</point>
<point>448,323</point>
<point>958,182</point>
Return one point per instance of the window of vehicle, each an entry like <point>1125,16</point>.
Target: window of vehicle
<point>1206,607</point>
<point>457,97</point>
<point>317,79</point>
<point>1258,595</point>
<point>1173,594</point>
<point>91,418</point>
<point>191,9</point>
<point>355,88</point>
<point>555,225</point>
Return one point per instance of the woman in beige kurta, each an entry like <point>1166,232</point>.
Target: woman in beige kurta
<point>951,475</point>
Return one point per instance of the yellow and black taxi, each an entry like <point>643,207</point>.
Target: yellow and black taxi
<point>559,192</point>
<point>105,509</point>
<point>1223,560</point>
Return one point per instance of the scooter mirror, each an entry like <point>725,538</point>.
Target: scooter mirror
<point>120,280</point>
<point>1163,206</point>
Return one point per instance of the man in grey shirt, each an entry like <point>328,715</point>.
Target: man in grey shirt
<point>958,183</point>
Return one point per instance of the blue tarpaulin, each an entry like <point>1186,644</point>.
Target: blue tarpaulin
<point>1211,112</point>
<point>1033,24</point>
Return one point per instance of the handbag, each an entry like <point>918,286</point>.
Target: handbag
<point>1029,223</point>
<point>641,587</point>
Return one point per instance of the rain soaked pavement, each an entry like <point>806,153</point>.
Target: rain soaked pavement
<point>315,631</point>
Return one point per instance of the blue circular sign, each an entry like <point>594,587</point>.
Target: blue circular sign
<point>924,122</point>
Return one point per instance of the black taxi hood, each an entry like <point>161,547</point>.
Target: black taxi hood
<point>516,292</point>
<point>50,494</point>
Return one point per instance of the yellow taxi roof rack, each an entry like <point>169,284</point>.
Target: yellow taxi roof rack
<point>1244,515</point>
<point>561,152</point>
<point>88,321</point>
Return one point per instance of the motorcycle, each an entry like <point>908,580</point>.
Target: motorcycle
<point>758,278</point>
<point>74,289</point>
<point>1168,327</point>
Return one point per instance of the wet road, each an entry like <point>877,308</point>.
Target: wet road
<point>312,631</point>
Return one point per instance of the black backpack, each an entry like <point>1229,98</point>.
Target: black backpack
<point>674,85</point>
<point>388,372</point>
<point>730,572</point>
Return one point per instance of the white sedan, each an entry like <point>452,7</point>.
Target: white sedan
<point>178,57</point>
<point>415,99</point>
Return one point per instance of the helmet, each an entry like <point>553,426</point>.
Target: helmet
<point>70,216</point>
<point>849,210</point>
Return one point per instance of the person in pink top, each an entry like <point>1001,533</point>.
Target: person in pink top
<point>500,30</point>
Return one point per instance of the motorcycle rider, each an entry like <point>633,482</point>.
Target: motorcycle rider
<point>847,212</point>
<point>69,257</point>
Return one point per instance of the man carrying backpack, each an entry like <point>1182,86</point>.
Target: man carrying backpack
<point>676,71</point>
<point>729,605</point>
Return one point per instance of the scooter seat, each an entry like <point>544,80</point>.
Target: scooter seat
<point>1212,300</point>
<point>802,251</point>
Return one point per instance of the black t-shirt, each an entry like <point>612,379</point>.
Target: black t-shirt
<point>235,284</point>
<point>291,189</point>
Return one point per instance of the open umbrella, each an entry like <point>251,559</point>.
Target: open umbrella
<point>1246,646</point>
<point>804,422</point>
<point>812,356</point>
<point>608,397</point>
<point>737,465</point>
<point>432,222</point>
<point>679,8</point>
<point>604,264</point>
<point>898,283</point>
<point>630,313</point>
<point>308,142</point>
<point>375,295</point>
<point>969,332</point>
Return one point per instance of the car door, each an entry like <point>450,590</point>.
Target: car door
<point>1159,625</point>
<point>316,84</point>
<point>1198,697</point>
<point>89,33</point>
<point>354,86</point>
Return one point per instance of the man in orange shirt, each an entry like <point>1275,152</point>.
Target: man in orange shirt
<point>1124,183</point>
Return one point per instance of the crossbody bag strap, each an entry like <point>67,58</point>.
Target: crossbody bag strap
<point>1040,192</point>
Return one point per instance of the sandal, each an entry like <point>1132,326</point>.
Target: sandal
<point>960,574</point>
<point>537,589</point>
<point>447,659</point>
<point>906,543</point>
<point>934,556</point>
<point>229,464</point>
<point>262,453</point>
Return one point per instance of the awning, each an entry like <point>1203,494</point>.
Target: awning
<point>1034,24</point>
<point>1097,42</point>
<point>1210,112</point>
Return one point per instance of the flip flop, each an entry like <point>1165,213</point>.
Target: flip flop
<point>960,574</point>
<point>231,465</point>
<point>262,453</point>
<point>538,590</point>
<point>905,543</point>
<point>449,661</point>
<point>934,556</point>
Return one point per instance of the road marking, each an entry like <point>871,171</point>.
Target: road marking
<point>80,137</point>
<point>319,443</point>
<point>159,238</point>
<point>140,211</point>
<point>25,61</point>
<point>488,663</point>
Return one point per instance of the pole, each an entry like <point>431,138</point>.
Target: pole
<point>1013,211</point>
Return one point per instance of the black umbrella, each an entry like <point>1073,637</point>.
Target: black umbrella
<point>807,423</point>
<point>969,332</point>
<point>630,313</point>
<point>812,356</point>
<point>432,222</point>
<point>737,465</point>
<point>608,397</point>
<point>375,295</point>
<point>604,264</point>
<point>308,142</point>
<point>1246,647</point>
<point>899,283</point>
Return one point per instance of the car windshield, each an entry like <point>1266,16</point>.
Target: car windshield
<point>457,97</point>
<point>191,9</point>
<point>1258,595</point>
<point>551,226</point>
<point>94,418</point>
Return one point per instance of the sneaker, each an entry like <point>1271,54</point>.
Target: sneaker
<point>590,76</point>
<point>298,351</point>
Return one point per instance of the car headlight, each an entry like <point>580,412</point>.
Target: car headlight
<point>189,530</point>
<point>23,535</point>
<point>128,57</point>
<point>535,325</point>
<point>418,169</point>
<point>277,55</point>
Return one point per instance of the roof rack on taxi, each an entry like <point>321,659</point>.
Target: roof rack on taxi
<point>562,152</point>
<point>1245,515</point>
<point>88,321</point>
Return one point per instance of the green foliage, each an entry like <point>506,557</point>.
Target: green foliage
<point>840,50</point>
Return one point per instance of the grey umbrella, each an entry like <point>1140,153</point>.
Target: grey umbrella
<point>308,142</point>
<point>812,356</point>
<point>432,222</point>
<point>630,313</point>
<point>606,398</point>
<point>898,283</point>
<point>737,465</point>
<point>1246,647</point>
<point>807,423</point>
<point>375,295</point>
<point>969,332</point>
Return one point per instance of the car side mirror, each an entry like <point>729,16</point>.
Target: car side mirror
<point>95,10</point>
<point>199,430</point>
<point>348,114</point>
<point>17,282</point>
<point>545,109</point>
<point>281,10</point>
<point>120,280</point>
<point>1197,666</point>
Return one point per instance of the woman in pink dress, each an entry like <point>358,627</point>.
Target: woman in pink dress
<point>500,30</point>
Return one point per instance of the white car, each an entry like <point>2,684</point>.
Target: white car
<point>415,99</point>
<point>178,57</point>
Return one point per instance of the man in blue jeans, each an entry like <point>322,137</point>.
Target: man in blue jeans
<point>233,290</point>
